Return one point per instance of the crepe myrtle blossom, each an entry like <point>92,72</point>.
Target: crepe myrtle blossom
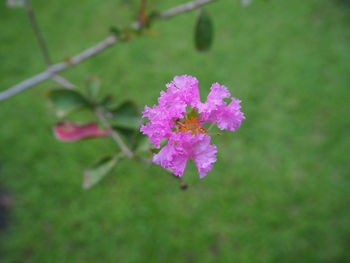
<point>179,117</point>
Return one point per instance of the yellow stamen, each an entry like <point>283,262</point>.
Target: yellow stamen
<point>191,125</point>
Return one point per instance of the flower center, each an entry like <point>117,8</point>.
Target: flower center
<point>190,125</point>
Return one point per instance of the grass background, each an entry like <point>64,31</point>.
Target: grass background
<point>279,191</point>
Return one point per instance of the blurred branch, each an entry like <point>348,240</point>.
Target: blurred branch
<point>99,114</point>
<point>37,32</point>
<point>44,50</point>
<point>109,41</point>
<point>62,81</point>
<point>142,13</point>
<point>50,72</point>
<point>184,8</point>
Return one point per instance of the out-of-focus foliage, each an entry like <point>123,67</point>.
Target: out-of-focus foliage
<point>126,115</point>
<point>92,87</point>
<point>204,31</point>
<point>65,101</point>
<point>124,121</point>
<point>99,170</point>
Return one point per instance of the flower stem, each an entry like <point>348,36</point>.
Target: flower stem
<point>99,114</point>
<point>211,126</point>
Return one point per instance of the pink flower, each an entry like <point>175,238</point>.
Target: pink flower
<point>182,146</point>
<point>179,118</point>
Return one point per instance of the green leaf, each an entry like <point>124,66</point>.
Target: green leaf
<point>116,31</point>
<point>192,114</point>
<point>129,33</point>
<point>98,171</point>
<point>92,87</point>
<point>142,143</point>
<point>66,101</point>
<point>151,17</point>
<point>155,150</point>
<point>128,134</point>
<point>204,31</point>
<point>106,101</point>
<point>136,141</point>
<point>150,32</point>
<point>126,115</point>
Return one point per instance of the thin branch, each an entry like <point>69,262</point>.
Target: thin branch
<point>184,8</point>
<point>51,71</point>
<point>43,47</point>
<point>109,41</point>
<point>142,13</point>
<point>114,135</point>
<point>62,81</point>
<point>211,126</point>
<point>37,32</point>
<point>126,151</point>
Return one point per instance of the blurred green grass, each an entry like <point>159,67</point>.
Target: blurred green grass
<point>279,191</point>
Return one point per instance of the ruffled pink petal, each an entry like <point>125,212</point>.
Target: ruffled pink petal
<point>172,156</point>
<point>159,125</point>
<point>165,156</point>
<point>181,92</point>
<point>188,89</point>
<point>203,155</point>
<point>214,102</point>
<point>230,117</point>
<point>183,146</point>
<point>217,94</point>
<point>215,109</point>
<point>178,164</point>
